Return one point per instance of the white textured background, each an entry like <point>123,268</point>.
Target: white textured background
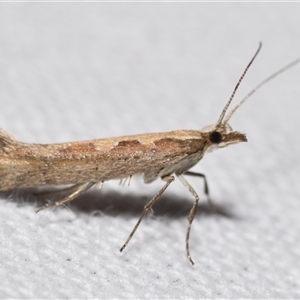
<point>72,71</point>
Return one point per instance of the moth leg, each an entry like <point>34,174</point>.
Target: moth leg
<point>206,189</point>
<point>148,206</point>
<point>80,190</point>
<point>191,215</point>
<point>58,191</point>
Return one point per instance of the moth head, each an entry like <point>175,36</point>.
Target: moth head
<point>223,135</point>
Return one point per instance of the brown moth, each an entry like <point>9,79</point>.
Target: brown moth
<point>90,163</point>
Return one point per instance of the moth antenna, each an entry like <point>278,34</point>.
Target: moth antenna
<point>237,86</point>
<point>259,86</point>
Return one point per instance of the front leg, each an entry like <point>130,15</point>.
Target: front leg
<point>191,215</point>
<point>212,207</point>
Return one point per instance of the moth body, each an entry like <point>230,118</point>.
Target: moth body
<point>154,155</point>
<point>90,163</point>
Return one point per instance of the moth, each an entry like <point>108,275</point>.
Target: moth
<point>85,164</point>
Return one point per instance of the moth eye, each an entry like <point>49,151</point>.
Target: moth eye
<point>215,137</point>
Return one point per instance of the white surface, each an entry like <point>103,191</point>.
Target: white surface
<point>72,71</point>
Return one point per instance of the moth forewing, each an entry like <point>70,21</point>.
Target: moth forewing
<point>90,163</point>
<point>94,160</point>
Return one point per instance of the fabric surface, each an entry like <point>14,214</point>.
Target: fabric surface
<point>76,71</point>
